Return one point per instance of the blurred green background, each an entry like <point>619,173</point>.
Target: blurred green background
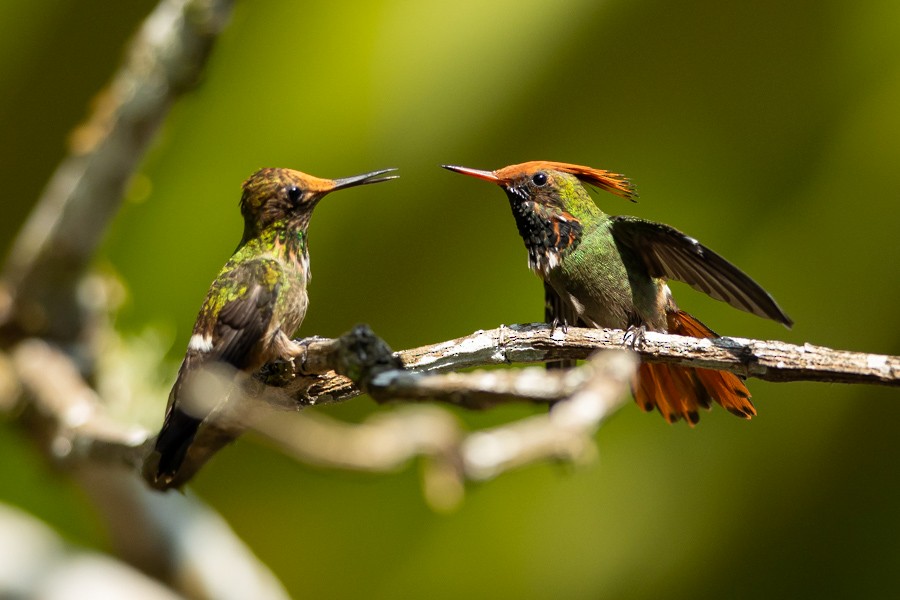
<point>769,130</point>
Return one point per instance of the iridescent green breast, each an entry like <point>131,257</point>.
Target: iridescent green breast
<point>605,287</point>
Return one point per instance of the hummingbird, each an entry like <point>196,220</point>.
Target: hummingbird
<point>611,271</point>
<point>253,307</point>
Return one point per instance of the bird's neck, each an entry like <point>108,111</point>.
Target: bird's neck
<point>280,240</point>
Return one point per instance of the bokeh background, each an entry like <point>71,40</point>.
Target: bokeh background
<point>769,130</point>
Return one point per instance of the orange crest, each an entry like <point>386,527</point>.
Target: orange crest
<point>605,180</point>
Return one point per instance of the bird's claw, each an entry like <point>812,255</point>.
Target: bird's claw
<point>634,336</point>
<point>558,323</point>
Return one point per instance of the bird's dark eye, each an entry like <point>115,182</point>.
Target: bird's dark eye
<point>294,193</point>
<point>539,179</point>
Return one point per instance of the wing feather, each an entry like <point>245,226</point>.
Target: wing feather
<point>247,295</point>
<point>669,253</point>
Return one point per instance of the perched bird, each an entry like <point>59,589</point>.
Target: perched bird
<point>611,271</point>
<point>251,310</point>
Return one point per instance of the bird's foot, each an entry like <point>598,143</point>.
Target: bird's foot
<point>634,336</point>
<point>558,323</point>
<point>296,352</point>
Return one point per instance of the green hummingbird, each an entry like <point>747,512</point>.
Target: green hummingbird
<point>256,303</point>
<point>611,271</point>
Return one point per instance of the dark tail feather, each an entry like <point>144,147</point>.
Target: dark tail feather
<point>679,393</point>
<point>172,444</point>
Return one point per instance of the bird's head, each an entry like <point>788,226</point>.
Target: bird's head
<point>550,203</point>
<point>552,185</point>
<point>284,197</point>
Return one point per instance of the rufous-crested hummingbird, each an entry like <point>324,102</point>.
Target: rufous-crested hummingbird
<point>611,271</point>
<point>251,310</point>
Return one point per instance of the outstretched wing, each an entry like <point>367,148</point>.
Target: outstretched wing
<point>667,252</point>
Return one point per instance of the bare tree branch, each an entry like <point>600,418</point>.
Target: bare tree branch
<point>44,291</point>
<point>69,417</point>
<point>360,361</point>
<point>173,538</point>
<point>768,360</point>
<point>71,420</point>
<point>50,254</point>
<point>333,370</point>
<point>314,381</point>
<point>585,397</point>
<point>35,562</point>
<point>193,542</point>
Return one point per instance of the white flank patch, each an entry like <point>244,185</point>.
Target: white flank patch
<point>544,263</point>
<point>578,306</point>
<point>200,343</point>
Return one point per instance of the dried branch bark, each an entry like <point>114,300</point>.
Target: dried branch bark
<point>70,418</point>
<point>768,360</point>
<point>42,293</point>
<point>313,382</point>
<point>49,256</point>
<point>584,396</point>
<point>338,369</point>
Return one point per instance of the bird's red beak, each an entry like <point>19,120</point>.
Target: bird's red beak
<point>486,175</point>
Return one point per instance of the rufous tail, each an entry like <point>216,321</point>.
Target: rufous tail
<point>679,392</point>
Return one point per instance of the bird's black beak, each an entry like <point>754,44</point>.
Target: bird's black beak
<point>365,179</point>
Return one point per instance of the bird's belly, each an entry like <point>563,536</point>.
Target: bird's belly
<point>289,312</point>
<point>598,287</point>
<point>292,312</point>
<point>599,307</point>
